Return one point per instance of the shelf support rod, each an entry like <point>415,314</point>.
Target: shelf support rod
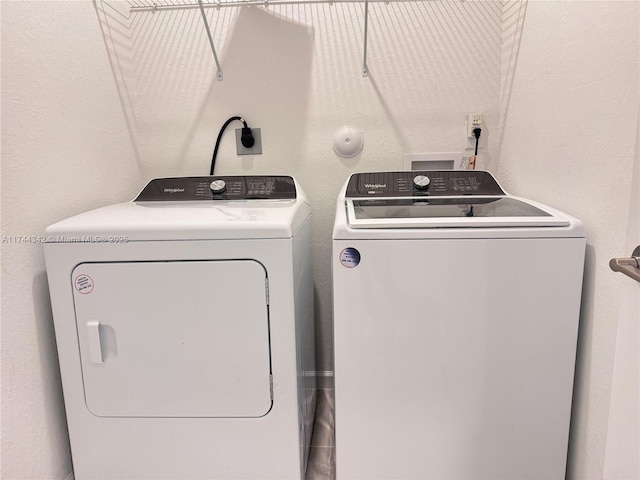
<point>365,69</point>
<point>213,48</point>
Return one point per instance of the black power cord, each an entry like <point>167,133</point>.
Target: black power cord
<point>474,157</point>
<point>246,138</point>
<point>476,133</point>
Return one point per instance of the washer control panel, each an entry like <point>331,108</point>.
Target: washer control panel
<point>218,188</point>
<point>449,183</point>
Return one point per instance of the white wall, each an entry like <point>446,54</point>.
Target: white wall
<point>569,137</point>
<point>73,138</point>
<point>65,149</point>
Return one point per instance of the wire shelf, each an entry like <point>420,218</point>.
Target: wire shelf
<point>159,5</point>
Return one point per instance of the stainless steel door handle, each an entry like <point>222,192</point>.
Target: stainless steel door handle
<point>628,266</point>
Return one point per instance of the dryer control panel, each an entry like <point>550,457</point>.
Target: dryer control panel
<point>278,187</point>
<point>414,183</point>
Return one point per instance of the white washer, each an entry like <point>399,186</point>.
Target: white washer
<point>184,324</point>
<point>456,313</point>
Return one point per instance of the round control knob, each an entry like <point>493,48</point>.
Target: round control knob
<point>421,182</point>
<point>218,186</point>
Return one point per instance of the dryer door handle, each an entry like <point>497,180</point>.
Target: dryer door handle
<point>95,347</point>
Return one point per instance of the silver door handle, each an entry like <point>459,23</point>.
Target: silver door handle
<point>628,266</point>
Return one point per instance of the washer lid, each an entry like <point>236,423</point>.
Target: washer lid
<point>438,199</point>
<point>448,212</point>
<point>442,204</point>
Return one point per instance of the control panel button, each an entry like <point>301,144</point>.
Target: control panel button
<point>218,186</point>
<point>421,182</point>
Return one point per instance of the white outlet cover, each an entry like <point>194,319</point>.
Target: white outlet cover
<point>348,141</point>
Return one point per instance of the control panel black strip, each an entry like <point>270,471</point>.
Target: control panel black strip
<point>416,183</point>
<point>249,187</point>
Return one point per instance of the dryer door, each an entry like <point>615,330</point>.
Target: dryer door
<point>174,339</point>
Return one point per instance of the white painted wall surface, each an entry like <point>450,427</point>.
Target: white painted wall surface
<point>570,132</point>
<point>65,149</point>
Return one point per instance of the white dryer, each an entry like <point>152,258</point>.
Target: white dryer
<point>184,325</point>
<point>456,312</point>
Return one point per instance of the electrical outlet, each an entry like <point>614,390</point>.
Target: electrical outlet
<point>257,146</point>
<point>474,120</point>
